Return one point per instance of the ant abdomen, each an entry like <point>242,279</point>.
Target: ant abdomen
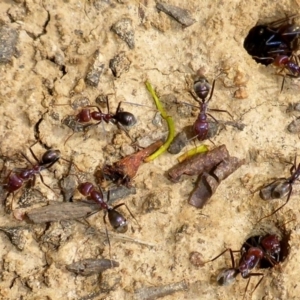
<point>50,156</point>
<point>125,118</point>
<point>271,244</point>
<point>117,221</point>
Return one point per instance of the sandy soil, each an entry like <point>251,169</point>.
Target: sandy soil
<point>55,51</point>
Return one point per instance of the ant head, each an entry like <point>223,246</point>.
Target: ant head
<point>281,190</point>
<point>271,244</point>
<point>117,221</point>
<point>201,88</point>
<point>85,188</point>
<point>227,276</point>
<point>50,157</point>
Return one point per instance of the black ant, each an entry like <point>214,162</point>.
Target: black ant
<point>267,248</point>
<point>116,219</point>
<point>201,89</point>
<point>16,179</point>
<point>280,188</point>
<point>265,42</point>
<point>120,118</point>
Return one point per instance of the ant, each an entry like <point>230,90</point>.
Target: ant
<point>280,187</point>
<point>201,89</point>
<point>288,63</point>
<point>116,219</point>
<point>16,179</point>
<point>253,252</point>
<point>120,118</point>
<point>265,42</point>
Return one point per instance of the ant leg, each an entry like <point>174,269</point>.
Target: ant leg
<point>282,85</point>
<point>32,153</point>
<point>120,126</point>
<point>107,105</point>
<point>212,91</point>
<point>107,236</point>
<point>231,256</point>
<point>115,207</point>
<point>293,167</point>
<point>221,110</point>
<point>69,137</point>
<point>214,118</point>
<point>45,184</point>
<point>256,286</point>
<point>26,157</point>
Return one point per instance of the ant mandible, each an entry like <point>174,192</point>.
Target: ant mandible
<point>280,188</point>
<point>120,118</point>
<point>268,247</point>
<point>16,179</point>
<point>201,89</point>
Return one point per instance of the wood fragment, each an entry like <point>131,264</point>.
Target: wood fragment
<point>90,266</point>
<point>199,163</point>
<point>62,211</point>
<point>124,170</point>
<point>182,16</point>
<point>209,182</point>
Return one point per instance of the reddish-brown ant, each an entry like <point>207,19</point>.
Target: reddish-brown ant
<point>16,179</point>
<point>280,188</point>
<point>253,252</point>
<point>201,89</point>
<point>120,118</point>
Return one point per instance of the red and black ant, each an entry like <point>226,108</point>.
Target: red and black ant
<point>120,118</point>
<point>116,219</point>
<point>280,188</point>
<point>201,89</point>
<point>255,252</point>
<point>16,179</point>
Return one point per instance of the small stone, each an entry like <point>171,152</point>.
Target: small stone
<point>119,64</point>
<point>123,28</point>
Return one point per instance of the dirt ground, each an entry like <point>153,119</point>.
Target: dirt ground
<point>54,47</point>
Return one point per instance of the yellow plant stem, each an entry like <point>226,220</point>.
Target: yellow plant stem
<point>192,152</point>
<point>169,121</point>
